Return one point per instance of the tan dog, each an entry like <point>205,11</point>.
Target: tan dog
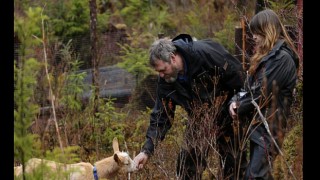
<point>109,167</point>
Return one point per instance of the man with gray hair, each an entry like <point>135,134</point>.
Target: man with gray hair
<point>187,70</point>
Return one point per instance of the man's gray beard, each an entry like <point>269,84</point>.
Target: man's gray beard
<point>173,77</point>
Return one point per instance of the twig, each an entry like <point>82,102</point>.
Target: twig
<point>52,98</point>
<point>264,121</point>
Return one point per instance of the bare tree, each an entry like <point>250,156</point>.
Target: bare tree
<point>95,62</point>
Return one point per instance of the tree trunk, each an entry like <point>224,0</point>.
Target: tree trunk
<point>95,66</point>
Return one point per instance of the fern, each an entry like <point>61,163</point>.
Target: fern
<point>135,61</point>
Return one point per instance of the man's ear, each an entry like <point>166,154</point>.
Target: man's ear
<point>173,58</point>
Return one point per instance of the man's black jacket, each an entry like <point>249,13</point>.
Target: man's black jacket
<point>205,60</point>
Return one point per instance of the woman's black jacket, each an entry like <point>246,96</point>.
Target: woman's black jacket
<point>271,86</point>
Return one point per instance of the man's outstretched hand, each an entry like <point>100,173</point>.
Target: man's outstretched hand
<point>140,160</point>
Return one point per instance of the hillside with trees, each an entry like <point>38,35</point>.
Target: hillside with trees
<point>68,108</point>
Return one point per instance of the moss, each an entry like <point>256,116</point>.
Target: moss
<point>292,149</point>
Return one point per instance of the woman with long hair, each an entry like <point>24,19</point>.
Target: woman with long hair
<point>268,92</point>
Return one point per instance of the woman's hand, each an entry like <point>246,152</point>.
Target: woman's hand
<point>233,110</point>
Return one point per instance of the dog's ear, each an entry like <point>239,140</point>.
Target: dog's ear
<point>115,145</point>
<point>116,158</point>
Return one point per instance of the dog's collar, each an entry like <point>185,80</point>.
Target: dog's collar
<point>95,173</point>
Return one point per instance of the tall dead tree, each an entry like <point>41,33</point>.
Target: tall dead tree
<point>300,29</point>
<point>94,65</point>
<point>94,51</point>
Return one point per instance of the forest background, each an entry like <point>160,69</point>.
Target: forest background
<point>68,108</point>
